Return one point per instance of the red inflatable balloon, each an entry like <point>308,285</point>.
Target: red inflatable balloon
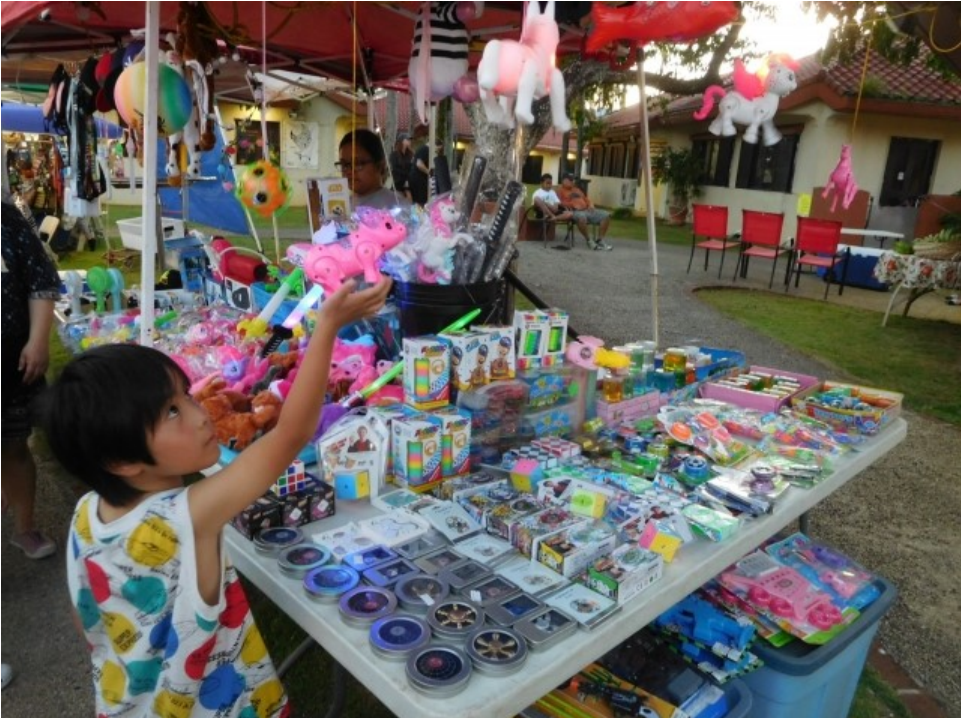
<point>644,22</point>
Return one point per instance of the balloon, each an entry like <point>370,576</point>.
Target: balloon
<point>174,102</point>
<point>264,188</point>
<point>466,90</point>
<point>466,11</point>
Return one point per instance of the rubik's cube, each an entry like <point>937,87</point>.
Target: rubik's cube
<point>292,481</point>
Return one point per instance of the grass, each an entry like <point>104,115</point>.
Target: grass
<point>917,358</point>
<point>907,357</point>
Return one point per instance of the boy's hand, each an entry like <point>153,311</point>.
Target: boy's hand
<point>345,305</point>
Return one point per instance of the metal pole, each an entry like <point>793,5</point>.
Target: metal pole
<point>649,201</point>
<point>148,216</point>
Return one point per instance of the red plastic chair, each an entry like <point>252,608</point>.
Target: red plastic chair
<point>761,237</point>
<point>816,245</point>
<point>710,221</point>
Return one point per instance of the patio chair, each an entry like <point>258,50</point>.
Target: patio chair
<point>761,237</point>
<point>534,226</point>
<point>816,246</point>
<point>710,222</point>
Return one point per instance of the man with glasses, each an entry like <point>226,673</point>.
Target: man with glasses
<point>364,164</point>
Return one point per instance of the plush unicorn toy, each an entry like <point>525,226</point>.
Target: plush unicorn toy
<point>753,101</point>
<point>524,70</point>
<point>436,242</point>
<point>842,181</point>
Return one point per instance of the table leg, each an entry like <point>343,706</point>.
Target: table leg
<point>894,295</point>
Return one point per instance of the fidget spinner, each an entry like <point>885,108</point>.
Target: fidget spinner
<point>585,605</point>
<point>456,615</point>
<point>455,523</point>
<point>496,644</point>
<point>553,517</point>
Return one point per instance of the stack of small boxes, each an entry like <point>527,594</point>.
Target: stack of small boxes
<point>293,500</point>
<point>541,337</point>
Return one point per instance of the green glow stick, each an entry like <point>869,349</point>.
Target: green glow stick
<point>392,373</point>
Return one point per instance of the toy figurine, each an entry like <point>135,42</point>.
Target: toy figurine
<point>842,181</point>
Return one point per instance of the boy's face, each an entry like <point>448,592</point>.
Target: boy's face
<point>183,440</point>
<point>547,183</point>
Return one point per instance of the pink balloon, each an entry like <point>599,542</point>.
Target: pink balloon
<point>466,11</point>
<point>466,90</point>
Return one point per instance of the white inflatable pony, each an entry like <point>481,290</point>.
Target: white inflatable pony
<point>523,72</point>
<point>753,101</point>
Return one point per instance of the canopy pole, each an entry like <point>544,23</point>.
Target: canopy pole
<point>649,200</point>
<point>148,216</point>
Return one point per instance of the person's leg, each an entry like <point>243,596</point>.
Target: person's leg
<point>20,490</point>
<point>580,219</point>
<point>543,208</point>
<point>602,220</point>
<point>7,675</point>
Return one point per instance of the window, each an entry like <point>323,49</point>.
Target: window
<point>716,154</point>
<point>596,160</point>
<point>630,163</point>
<point>769,168</point>
<point>533,169</point>
<point>614,161</point>
<point>907,174</point>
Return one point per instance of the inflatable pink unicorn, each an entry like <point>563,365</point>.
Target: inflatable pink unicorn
<point>842,181</point>
<point>525,71</point>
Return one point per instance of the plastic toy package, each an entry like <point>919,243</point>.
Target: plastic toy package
<point>702,430</point>
<point>847,583</point>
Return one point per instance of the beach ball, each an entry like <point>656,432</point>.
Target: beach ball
<point>174,101</point>
<point>264,188</point>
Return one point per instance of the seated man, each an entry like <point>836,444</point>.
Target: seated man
<point>585,213</point>
<point>548,203</point>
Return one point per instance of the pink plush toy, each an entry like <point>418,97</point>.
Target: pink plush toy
<point>524,70</point>
<point>330,264</point>
<point>842,181</point>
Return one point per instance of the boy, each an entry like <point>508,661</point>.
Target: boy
<point>547,201</point>
<point>161,607</point>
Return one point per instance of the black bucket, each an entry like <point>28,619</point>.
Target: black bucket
<point>429,308</point>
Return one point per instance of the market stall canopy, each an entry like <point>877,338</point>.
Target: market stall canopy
<point>15,117</point>
<point>311,38</point>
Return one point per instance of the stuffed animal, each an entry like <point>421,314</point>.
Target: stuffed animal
<point>438,58</point>
<point>436,243</point>
<point>524,70</point>
<point>189,134</point>
<point>266,410</point>
<point>842,181</point>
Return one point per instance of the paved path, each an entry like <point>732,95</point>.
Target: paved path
<point>913,540</point>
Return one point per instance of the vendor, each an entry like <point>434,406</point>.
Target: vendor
<point>363,163</point>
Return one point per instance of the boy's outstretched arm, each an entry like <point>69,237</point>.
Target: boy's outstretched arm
<point>219,497</point>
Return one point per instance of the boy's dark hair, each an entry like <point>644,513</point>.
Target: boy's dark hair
<point>102,408</point>
<point>547,176</point>
<point>370,141</point>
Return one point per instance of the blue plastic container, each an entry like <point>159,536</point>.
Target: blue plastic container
<point>802,681</point>
<point>735,703</point>
<point>262,297</point>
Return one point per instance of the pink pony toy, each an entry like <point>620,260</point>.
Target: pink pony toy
<point>842,181</point>
<point>353,364</point>
<point>436,242</point>
<point>525,71</point>
<point>753,101</point>
<point>330,264</point>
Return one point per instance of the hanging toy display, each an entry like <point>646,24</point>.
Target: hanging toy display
<point>644,22</point>
<point>174,100</point>
<point>439,54</point>
<point>753,101</point>
<point>841,181</point>
<point>524,70</point>
<point>264,188</point>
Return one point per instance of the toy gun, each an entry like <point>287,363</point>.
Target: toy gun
<point>384,379</point>
<point>285,331</point>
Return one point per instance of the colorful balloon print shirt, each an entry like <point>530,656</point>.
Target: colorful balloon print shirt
<point>158,648</point>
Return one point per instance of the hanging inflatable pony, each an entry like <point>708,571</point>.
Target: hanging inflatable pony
<point>438,58</point>
<point>841,181</point>
<point>753,101</point>
<point>264,188</point>
<point>643,22</point>
<point>524,70</point>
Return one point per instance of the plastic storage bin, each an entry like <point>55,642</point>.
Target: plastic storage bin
<point>131,231</point>
<point>802,681</point>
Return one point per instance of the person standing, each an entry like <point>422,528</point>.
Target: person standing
<point>363,163</point>
<point>30,288</point>
<point>585,213</point>
<point>400,161</point>
<point>419,180</point>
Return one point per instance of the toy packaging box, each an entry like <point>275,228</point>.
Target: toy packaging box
<point>264,513</point>
<point>469,357</point>
<point>531,329</point>
<point>502,356</point>
<point>595,692</point>
<point>356,444</point>
<point>501,518</point>
<point>455,433</point>
<point>571,550</point>
<point>556,337</point>
<point>416,450</point>
<point>460,487</point>
<point>426,372</point>
<point>530,530</point>
<point>625,573</point>
<point>322,501</point>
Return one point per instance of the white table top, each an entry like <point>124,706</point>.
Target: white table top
<point>880,233</point>
<point>496,697</point>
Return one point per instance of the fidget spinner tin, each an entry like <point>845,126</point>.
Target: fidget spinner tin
<point>418,592</point>
<point>328,583</point>
<point>435,562</point>
<point>512,609</point>
<point>439,671</point>
<point>387,574</point>
<point>394,637</point>
<point>300,559</point>
<point>452,619</point>
<point>421,545</point>
<point>269,541</point>
<point>493,590</point>
<point>496,651</point>
<point>368,557</point>
<point>465,574</point>
<point>544,630</point>
<point>363,605</point>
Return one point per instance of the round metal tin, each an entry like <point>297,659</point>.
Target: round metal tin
<point>496,651</point>
<point>418,592</point>
<point>363,605</point>
<point>328,583</point>
<point>270,541</point>
<point>394,637</point>
<point>439,670</point>
<point>299,560</point>
<point>452,619</point>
